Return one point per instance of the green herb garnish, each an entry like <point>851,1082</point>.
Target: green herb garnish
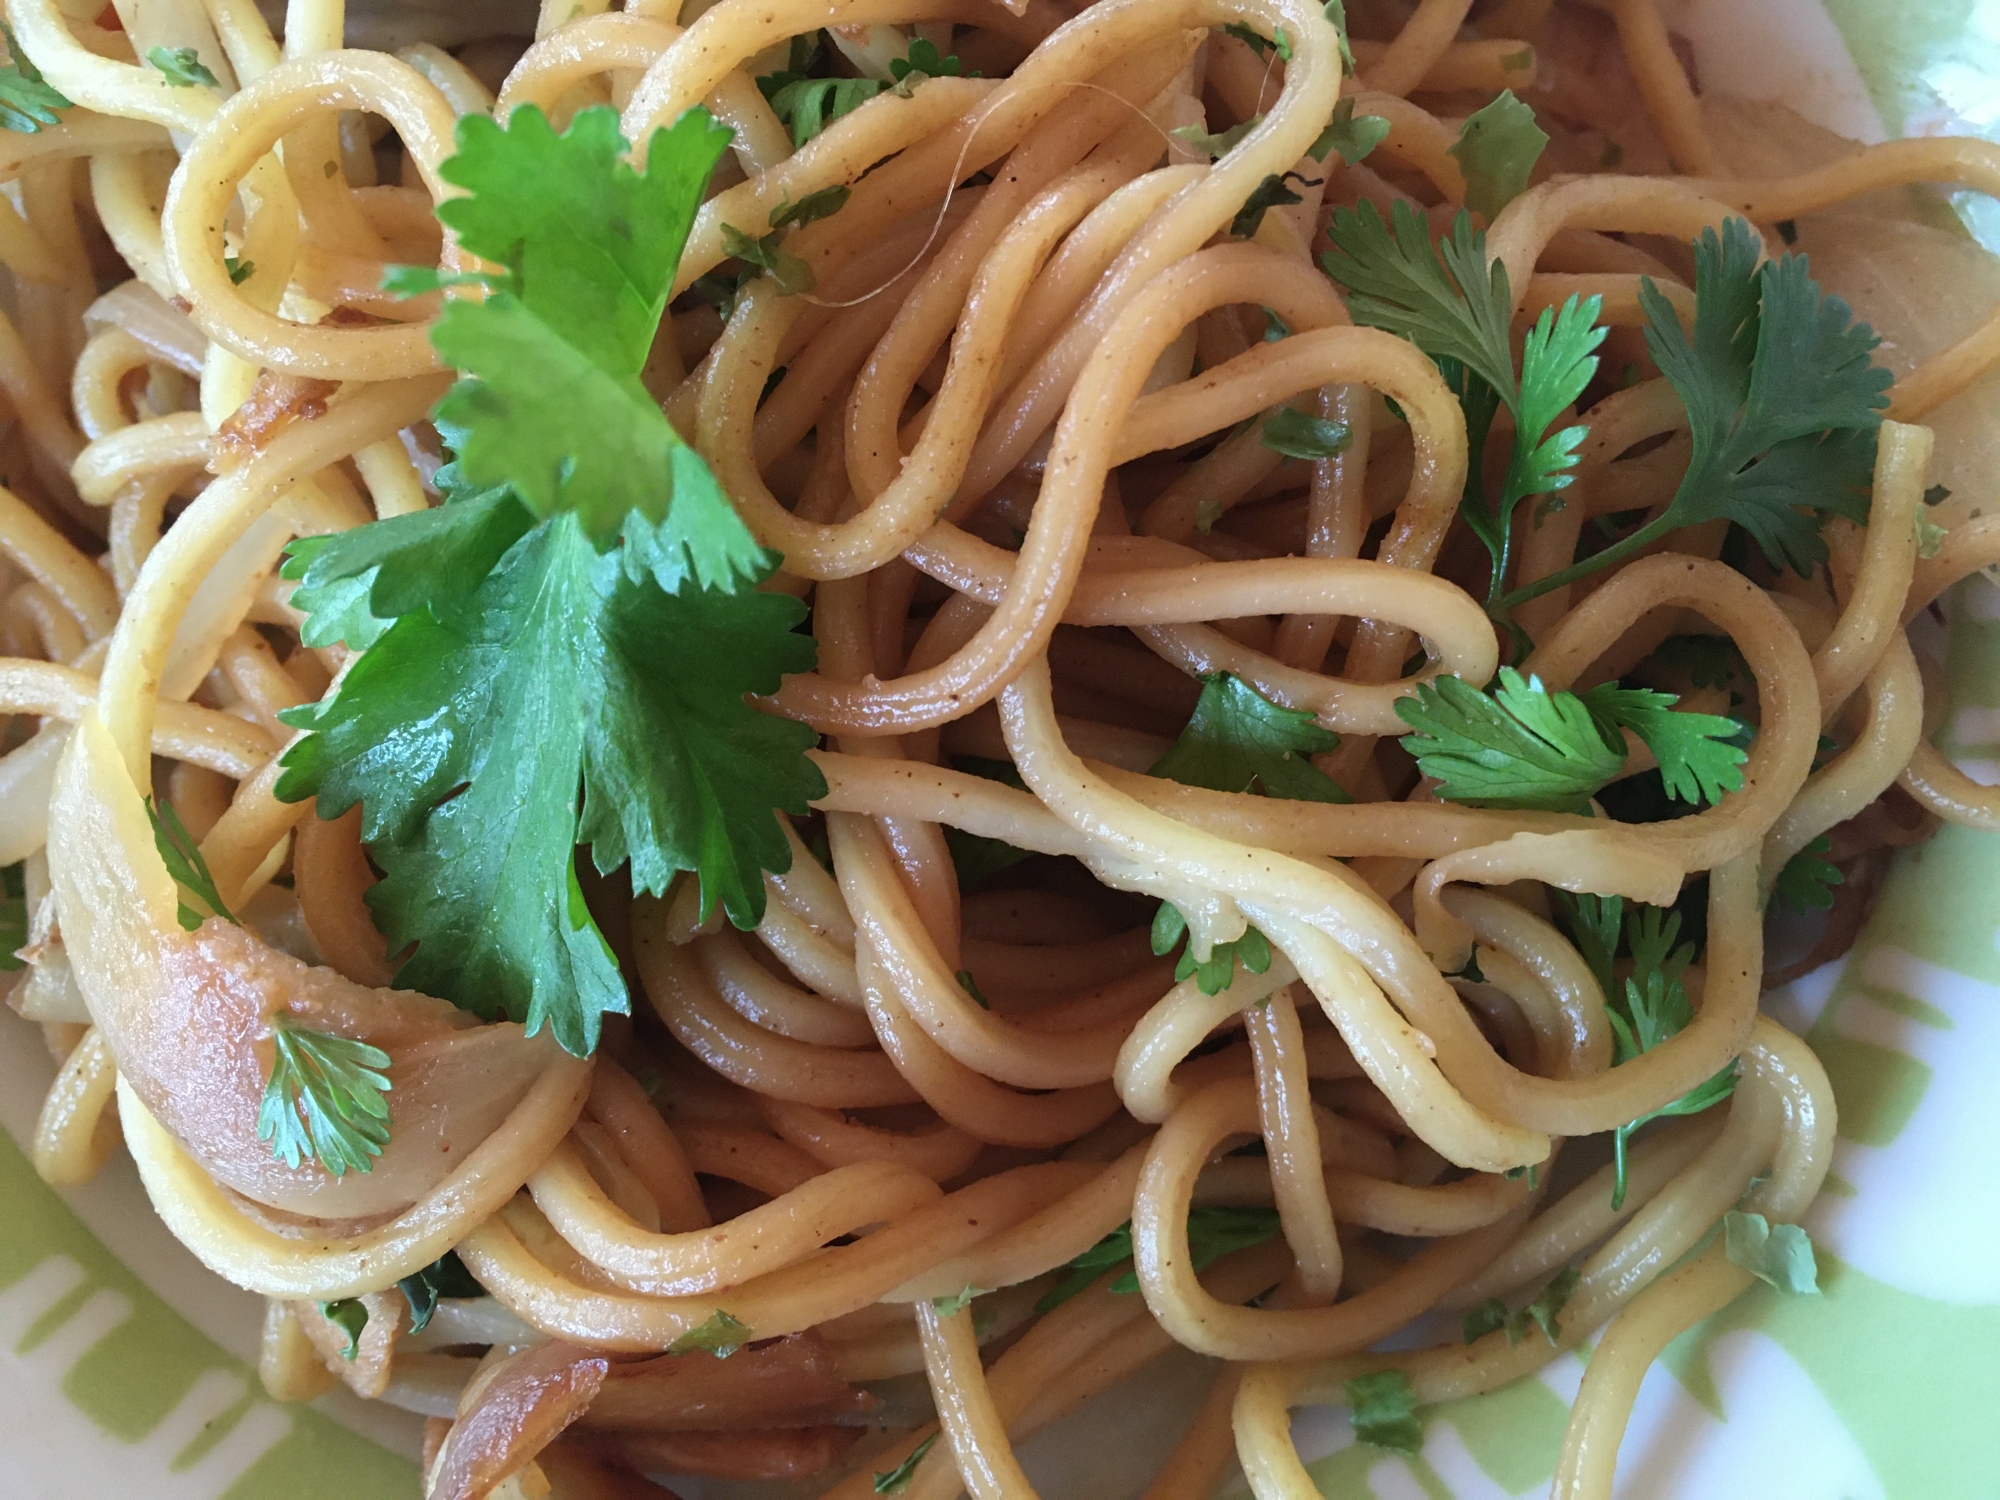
<point>324,1099</point>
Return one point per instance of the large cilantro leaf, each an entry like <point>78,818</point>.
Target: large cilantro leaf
<point>1783,399</point>
<point>1238,740</point>
<point>467,734</point>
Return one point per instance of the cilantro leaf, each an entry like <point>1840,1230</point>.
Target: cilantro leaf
<point>1268,194</point>
<point>181,854</point>
<point>1212,1234</point>
<point>239,271</point>
<point>1488,1317</point>
<point>27,103</point>
<point>1522,745</point>
<point>792,274</point>
<point>1239,741</point>
<point>1807,880</point>
<point>324,1099</point>
<point>1352,135</point>
<point>957,1302</point>
<point>182,68</point>
<point>1498,148</point>
<point>809,105</point>
<point>548,676</point>
<point>1519,746</point>
<point>722,1335</point>
<point>1781,1254</point>
<point>349,1314</point>
<point>1297,434</point>
<point>1216,145</point>
<point>1336,12</point>
<point>589,245</point>
<point>1711,661</point>
<point>971,987</point>
<point>1447,300</point>
<point>895,1481</point>
<point>444,1277</point>
<point>921,62</point>
<point>810,209</point>
<point>1782,397</point>
<point>1542,1313</point>
<point>1383,1408</point>
<point>1698,760</point>
<point>1217,972</point>
<point>1257,42</point>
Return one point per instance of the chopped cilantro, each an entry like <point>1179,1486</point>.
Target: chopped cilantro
<point>1268,194</point>
<point>349,1314</point>
<point>1299,435</point>
<point>1352,135</point>
<point>1498,148</point>
<point>810,209</point>
<point>182,67</point>
<point>1216,145</point>
<point>958,1301</point>
<point>722,1335</point>
<point>792,274</point>
<point>971,987</point>
<point>444,1277</point>
<point>1492,1314</point>
<point>1217,972</point>
<point>1383,1408</point>
<point>1212,1234</point>
<point>1807,880</point>
<point>324,1099</point>
<point>1781,1254</point>
<point>239,271</point>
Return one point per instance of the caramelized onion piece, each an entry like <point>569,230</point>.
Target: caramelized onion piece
<point>769,1453</point>
<point>509,1413</point>
<point>790,1382</point>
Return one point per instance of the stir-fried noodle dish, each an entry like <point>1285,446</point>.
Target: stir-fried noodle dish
<point>757,741</point>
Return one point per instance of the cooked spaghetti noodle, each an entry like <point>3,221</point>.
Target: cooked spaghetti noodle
<point>1010,438</point>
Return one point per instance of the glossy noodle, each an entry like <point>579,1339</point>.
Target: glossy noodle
<point>842,1200</point>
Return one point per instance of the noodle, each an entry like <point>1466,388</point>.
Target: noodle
<point>1058,435</point>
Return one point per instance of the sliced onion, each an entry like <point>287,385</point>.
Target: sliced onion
<point>792,1382</point>
<point>511,1412</point>
<point>153,321</point>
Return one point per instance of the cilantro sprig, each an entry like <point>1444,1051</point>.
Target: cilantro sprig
<point>1455,305</point>
<point>1649,1007</point>
<point>27,102</point>
<point>1522,745</point>
<point>1806,880</point>
<point>444,1277</point>
<point>561,654</point>
<point>324,1099</point>
<point>1783,399</point>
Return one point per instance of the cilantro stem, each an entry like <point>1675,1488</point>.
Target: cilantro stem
<point>1618,551</point>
